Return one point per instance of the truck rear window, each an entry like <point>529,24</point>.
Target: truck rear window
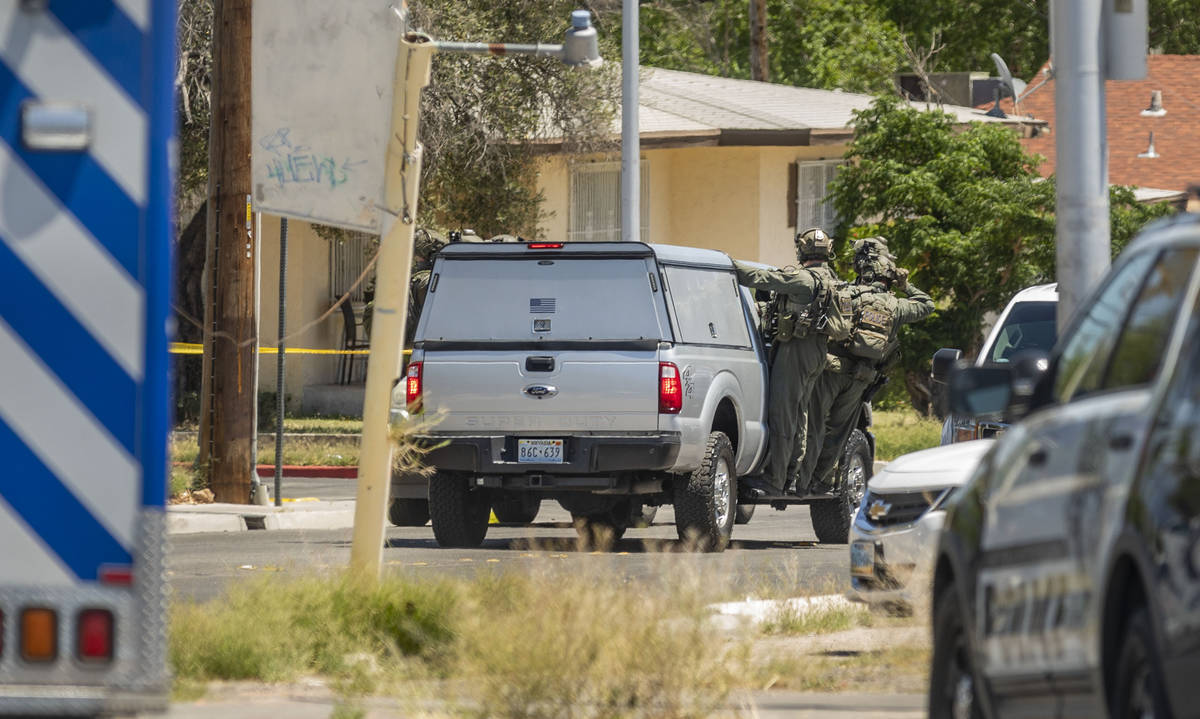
<point>540,299</point>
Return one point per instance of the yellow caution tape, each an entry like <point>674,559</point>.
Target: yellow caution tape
<point>193,348</point>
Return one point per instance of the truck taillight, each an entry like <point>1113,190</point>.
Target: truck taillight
<point>670,389</point>
<point>412,386</point>
<point>94,634</point>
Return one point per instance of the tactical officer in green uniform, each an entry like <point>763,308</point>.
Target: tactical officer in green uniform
<point>425,246</point>
<point>798,353</point>
<point>852,366</point>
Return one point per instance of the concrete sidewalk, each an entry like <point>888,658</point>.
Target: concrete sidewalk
<point>198,518</point>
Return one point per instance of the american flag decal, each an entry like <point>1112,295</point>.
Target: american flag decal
<point>542,305</point>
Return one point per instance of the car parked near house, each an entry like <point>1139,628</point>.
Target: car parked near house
<point>1067,580</point>
<point>1027,323</point>
<point>894,537</point>
<point>610,377</point>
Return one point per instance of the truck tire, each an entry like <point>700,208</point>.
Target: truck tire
<point>745,512</point>
<point>1139,691</point>
<point>517,508</point>
<point>831,518</point>
<point>408,512</point>
<point>460,514</point>
<point>599,532</point>
<point>705,504</point>
<point>953,691</point>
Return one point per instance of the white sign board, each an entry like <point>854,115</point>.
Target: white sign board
<point>322,78</point>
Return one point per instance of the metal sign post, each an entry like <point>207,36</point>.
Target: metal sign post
<point>403,173</point>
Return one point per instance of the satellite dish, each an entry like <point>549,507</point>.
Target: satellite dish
<point>1012,87</point>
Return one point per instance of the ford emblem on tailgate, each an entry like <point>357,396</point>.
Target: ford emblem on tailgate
<point>541,391</point>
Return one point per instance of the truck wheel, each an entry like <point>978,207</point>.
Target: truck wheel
<point>408,512</point>
<point>744,513</point>
<point>600,532</point>
<point>517,508</point>
<point>831,518</point>
<point>705,504</point>
<point>460,514</point>
<point>953,692</point>
<point>1140,690</point>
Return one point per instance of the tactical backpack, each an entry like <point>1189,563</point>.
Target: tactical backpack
<point>838,313</point>
<point>874,326</point>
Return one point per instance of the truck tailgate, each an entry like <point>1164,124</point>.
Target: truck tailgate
<point>504,391</point>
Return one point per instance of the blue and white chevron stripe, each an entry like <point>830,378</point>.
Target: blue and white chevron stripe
<point>84,286</point>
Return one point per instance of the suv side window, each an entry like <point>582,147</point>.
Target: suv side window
<point>1085,355</point>
<point>708,307</point>
<point>1140,348</point>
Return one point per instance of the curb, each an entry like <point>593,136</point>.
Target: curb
<point>224,518</point>
<point>297,470</point>
<point>300,470</point>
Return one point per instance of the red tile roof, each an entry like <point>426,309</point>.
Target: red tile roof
<point>1176,134</point>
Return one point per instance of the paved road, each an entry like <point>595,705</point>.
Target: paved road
<point>777,549</point>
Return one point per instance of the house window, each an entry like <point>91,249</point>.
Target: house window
<point>348,256</point>
<point>595,211</point>
<point>812,206</point>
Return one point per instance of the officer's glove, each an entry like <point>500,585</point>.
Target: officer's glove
<point>902,279</point>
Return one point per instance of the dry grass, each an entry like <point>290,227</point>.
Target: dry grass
<point>788,620</point>
<point>551,644</point>
<point>902,669</point>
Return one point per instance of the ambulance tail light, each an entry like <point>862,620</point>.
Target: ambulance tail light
<point>94,633</point>
<point>670,389</point>
<point>412,386</point>
<point>39,635</point>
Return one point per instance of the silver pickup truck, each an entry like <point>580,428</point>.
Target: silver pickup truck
<point>606,376</point>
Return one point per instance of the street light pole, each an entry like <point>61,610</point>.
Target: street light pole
<point>631,170</point>
<point>403,174</point>
<point>1082,201</point>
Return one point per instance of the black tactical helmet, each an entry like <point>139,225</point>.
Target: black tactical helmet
<point>872,260</point>
<point>814,244</point>
<point>426,244</point>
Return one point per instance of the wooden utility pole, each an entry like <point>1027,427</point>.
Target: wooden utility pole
<point>231,340</point>
<point>760,66</point>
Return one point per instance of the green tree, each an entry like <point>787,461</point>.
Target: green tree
<point>480,114</point>
<point>964,210</point>
<point>827,44</point>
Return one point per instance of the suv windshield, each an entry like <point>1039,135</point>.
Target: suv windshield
<point>542,299</point>
<point>1029,325</point>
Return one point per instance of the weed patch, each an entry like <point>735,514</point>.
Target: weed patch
<point>789,620</point>
<point>899,432</point>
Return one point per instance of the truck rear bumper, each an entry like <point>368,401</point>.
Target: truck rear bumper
<point>582,455</point>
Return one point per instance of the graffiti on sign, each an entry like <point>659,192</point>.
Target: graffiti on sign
<point>292,163</point>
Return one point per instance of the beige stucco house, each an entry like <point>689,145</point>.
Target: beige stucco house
<point>727,164</point>
<point>733,165</point>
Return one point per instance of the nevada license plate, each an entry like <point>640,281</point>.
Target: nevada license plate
<point>862,559</point>
<point>542,451</point>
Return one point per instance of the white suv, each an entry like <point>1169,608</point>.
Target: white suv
<point>1027,323</point>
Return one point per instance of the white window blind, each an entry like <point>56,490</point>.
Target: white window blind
<point>812,206</point>
<point>595,206</point>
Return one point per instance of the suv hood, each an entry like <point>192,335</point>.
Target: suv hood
<point>937,468</point>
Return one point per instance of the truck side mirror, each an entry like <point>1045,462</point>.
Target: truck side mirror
<point>1009,390</point>
<point>943,362</point>
<point>980,391</point>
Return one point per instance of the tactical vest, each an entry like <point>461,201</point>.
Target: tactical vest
<point>874,333</point>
